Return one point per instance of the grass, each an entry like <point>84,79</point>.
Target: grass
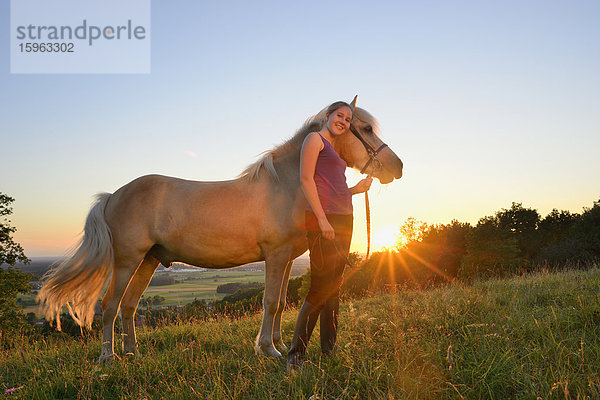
<point>531,337</point>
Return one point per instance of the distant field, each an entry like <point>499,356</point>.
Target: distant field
<point>200,285</point>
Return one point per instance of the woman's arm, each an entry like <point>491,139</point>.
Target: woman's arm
<point>311,147</point>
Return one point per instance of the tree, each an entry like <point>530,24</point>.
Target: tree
<point>492,249</point>
<point>557,244</point>
<point>412,230</point>
<point>555,226</point>
<point>12,281</point>
<point>521,224</point>
<point>587,229</point>
<point>581,241</point>
<point>444,247</point>
<point>10,251</point>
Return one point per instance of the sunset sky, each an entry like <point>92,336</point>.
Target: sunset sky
<point>485,102</point>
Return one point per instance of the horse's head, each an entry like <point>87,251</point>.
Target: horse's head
<point>365,151</point>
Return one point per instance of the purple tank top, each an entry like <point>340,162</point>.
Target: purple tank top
<point>330,178</point>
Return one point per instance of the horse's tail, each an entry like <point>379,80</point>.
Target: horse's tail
<point>78,281</point>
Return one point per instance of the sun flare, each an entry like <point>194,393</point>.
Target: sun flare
<point>387,237</point>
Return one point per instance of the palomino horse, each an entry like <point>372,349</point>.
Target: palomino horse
<point>157,219</point>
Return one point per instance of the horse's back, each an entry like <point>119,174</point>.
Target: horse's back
<point>202,223</point>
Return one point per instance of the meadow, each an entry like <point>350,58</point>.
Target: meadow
<point>528,337</point>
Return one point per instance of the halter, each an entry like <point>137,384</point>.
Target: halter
<point>372,158</point>
<point>370,151</point>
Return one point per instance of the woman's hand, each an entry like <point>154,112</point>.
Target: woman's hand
<point>362,186</point>
<point>326,229</point>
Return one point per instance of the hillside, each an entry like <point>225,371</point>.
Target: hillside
<point>537,336</point>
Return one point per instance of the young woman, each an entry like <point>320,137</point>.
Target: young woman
<point>329,230</point>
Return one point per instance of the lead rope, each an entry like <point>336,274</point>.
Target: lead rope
<point>368,212</point>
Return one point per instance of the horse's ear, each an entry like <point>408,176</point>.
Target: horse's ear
<point>353,103</point>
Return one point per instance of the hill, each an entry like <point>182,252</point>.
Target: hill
<point>537,336</point>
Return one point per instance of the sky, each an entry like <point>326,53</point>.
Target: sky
<point>486,103</point>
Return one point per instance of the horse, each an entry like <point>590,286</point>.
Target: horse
<point>154,219</point>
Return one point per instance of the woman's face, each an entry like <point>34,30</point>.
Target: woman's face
<point>338,121</point>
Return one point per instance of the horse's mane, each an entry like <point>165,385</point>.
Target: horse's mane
<point>312,124</point>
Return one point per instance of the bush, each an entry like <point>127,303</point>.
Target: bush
<point>196,310</point>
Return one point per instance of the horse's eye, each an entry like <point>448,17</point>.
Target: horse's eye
<point>368,129</point>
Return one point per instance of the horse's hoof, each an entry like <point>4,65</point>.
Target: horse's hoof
<point>269,351</point>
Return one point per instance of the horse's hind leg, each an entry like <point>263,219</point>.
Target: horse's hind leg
<point>277,340</point>
<point>131,299</point>
<point>123,270</point>
<point>276,263</point>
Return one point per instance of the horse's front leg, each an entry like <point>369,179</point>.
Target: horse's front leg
<point>276,263</point>
<point>277,336</point>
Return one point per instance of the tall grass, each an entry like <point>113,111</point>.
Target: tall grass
<point>537,336</point>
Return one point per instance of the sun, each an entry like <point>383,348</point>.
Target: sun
<point>386,237</point>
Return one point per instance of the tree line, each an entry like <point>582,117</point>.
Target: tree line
<point>512,241</point>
